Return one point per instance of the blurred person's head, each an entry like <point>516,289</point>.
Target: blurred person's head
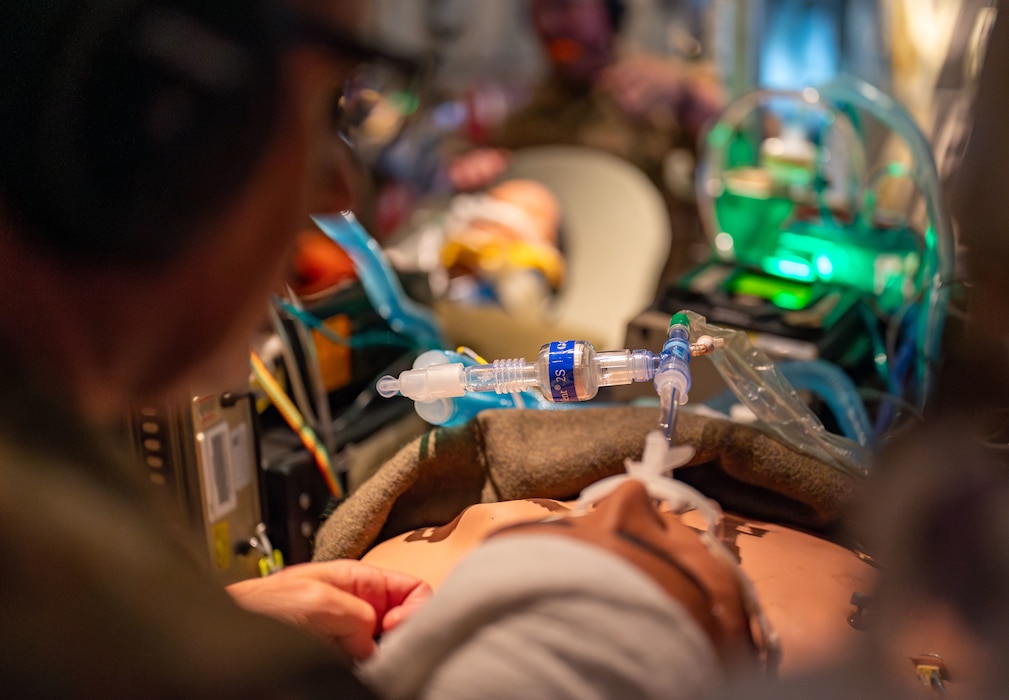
<point>977,201</point>
<point>514,210</point>
<point>934,517</point>
<point>159,161</point>
<point>578,35</point>
<point>935,513</point>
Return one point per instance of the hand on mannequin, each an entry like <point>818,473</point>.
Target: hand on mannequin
<point>344,602</point>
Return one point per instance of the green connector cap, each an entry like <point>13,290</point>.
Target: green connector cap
<point>679,319</point>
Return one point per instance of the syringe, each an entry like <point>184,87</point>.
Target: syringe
<point>672,377</point>
<point>569,370</point>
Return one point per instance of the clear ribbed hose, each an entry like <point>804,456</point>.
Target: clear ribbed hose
<point>502,376</point>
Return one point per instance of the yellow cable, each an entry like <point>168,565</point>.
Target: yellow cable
<point>293,417</point>
<point>471,353</point>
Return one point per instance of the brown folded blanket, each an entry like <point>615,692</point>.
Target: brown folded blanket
<point>510,454</point>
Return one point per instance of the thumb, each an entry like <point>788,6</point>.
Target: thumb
<point>414,602</point>
<point>352,626</point>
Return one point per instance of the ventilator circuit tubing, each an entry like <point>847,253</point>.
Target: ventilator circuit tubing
<point>761,387</point>
<point>830,383</point>
<point>937,262</point>
<point>447,387</point>
<point>449,411</point>
<point>833,385</point>
<point>379,280</point>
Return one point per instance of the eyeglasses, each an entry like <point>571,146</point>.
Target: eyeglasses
<point>379,97</point>
<point>376,102</point>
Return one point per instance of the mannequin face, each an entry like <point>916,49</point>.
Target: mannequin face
<point>628,524</point>
<point>803,582</point>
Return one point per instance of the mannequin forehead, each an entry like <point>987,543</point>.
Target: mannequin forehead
<point>478,521</point>
<point>432,552</point>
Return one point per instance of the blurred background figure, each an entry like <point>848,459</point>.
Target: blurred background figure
<point>599,94</point>
<point>594,90</point>
<point>505,241</point>
<point>644,108</point>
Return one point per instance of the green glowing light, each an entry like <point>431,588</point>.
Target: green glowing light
<point>824,266</point>
<point>793,269</point>
<point>790,296</point>
<point>789,301</point>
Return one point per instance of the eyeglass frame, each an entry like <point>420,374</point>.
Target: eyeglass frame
<point>297,27</point>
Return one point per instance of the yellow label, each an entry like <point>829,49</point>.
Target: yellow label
<point>222,545</point>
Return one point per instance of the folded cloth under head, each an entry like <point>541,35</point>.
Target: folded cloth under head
<point>512,454</point>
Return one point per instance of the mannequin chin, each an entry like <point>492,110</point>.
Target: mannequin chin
<point>804,583</point>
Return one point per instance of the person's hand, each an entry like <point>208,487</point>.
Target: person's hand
<point>344,602</point>
<point>476,169</point>
<point>641,83</point>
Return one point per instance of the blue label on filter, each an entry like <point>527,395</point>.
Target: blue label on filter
<point>562,371</point>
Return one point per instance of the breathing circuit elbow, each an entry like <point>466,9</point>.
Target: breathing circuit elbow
<point>672,377</point>
<point>672,373</point>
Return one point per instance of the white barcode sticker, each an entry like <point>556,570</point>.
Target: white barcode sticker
<point>241,457</point>
<point>219,493</point>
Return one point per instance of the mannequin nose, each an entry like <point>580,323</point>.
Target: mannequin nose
<point>629,493</point>
<point>629,502</point>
